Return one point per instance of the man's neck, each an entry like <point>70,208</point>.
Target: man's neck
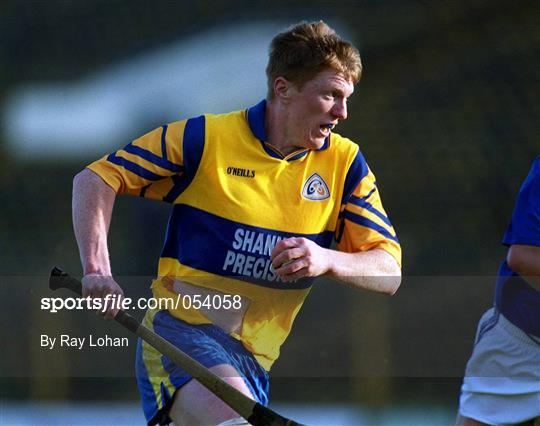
<point>276,123</point>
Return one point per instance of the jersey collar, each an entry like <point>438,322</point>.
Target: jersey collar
<point>256,121</point>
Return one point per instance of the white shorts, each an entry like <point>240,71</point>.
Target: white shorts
<point>502,379</point>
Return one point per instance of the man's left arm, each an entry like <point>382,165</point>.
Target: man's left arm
<point>523,234</point>
<point>374,270</point>
<point>525,260</point>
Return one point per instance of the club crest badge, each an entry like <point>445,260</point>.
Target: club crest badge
<point>315,188</point>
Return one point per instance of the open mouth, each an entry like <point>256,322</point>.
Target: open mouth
<point>325,128</point>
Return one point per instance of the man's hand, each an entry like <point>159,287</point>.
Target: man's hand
<point>373,270</point>
<point>98,286</point>
<point>295,258</point>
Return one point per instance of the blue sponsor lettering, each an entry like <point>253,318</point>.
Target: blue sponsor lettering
<point>238,235</point>
<point>258,267</point>
<point>248,241</point>
<point>271,241</point>
<point>269,272</point>
<point>259,244</point>
<point>238,263</point>
<point>229,259</point>
<point>249,266</point>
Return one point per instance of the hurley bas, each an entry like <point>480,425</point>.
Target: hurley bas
<point>67,341</point>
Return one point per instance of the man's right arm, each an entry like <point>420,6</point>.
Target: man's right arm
<point>92,206</point>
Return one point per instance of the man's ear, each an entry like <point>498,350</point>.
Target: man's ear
<point>283,89</point>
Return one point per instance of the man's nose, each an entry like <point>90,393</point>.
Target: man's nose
<point>340,109</point>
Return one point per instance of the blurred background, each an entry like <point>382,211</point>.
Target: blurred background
<point>446,114</point>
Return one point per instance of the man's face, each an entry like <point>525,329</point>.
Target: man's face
<point>315,109</point>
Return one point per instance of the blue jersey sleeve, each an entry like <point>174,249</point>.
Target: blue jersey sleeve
<point>159,165</point>
<point>524,227</point>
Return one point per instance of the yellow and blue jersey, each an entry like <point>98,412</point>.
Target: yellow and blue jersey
<point>234,196</point>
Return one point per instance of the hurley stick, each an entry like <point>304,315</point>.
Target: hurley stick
<point>253,412</point>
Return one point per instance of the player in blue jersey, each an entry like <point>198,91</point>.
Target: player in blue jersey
<point>502,379</point>
<point>258,197</point>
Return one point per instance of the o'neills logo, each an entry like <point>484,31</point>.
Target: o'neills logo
<point>235,171</point>
<point>315,188</point>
